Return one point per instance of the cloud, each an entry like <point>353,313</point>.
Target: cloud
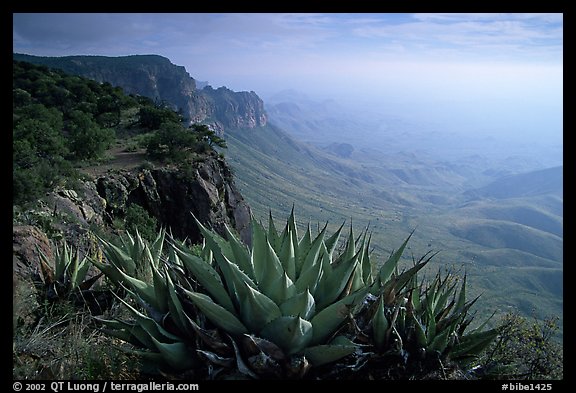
<point>253,51</point>
<point>481,36</point>
<point>476,36</point>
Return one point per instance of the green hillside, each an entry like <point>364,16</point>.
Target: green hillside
<point>541,182</point>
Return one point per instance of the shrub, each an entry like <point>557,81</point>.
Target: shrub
<point>139,220</point>
<point>524,350</point>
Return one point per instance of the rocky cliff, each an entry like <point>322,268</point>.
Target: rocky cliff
<point>223,108</point>
<point>170,195</point>
<point>157,78</point>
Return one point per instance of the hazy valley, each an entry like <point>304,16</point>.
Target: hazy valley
<point>493,209</point>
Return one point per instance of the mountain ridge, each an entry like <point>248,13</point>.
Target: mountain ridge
<point>538,182</point>
<point>158,78</point>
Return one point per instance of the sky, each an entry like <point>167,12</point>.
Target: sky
<point>432,64</point>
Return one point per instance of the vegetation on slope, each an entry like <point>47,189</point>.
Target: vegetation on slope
<point>63,122</point>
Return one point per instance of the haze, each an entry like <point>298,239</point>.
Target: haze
<point>497,75</point>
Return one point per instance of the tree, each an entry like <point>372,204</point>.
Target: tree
<point>152,117</point>
<point>87,139</point>
<point>172,141</point>
<point>138,219</point>
<point>525,350</point>
<point>108,111</point>
<point>208,136</point>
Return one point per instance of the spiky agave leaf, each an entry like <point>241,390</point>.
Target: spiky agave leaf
<point>62,260</point>
<point>338,278</point>
<point>273,270</point>
<point>176,309</point>
<point>260,251</point>
<point>380,325</point>
<point>332,242</point>
<point>282,289</point>
<point>337,349</point>
<point>79,271</point>
<point>152,327</point>
<point>146,291</point>
<point>240,253</point>
<point>207,277</point>
<point>123,330</point>
<point>257,309</point>
<point>217,314</point>
<point>310,277</point>
<point>118,257</point>
<point>177,355</point>
<point>292,333</point>
<point>391,263</point>
<point>471,345</point>
<point>273,237</point>
<point>287,254</point>
<point>67,270</point>
<point>327,321</point>
<point>301,305</point>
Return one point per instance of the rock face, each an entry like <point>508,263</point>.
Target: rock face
<point>27,244</point>
<point>148,75</point>
<point>207,191</point>
<point>171,195</point>
<point>222,108</point>
<point>157,78</point>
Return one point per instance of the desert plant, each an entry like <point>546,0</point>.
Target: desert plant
<point>138,218</point>
<point>418,328</point>
<point>63,345</point>
<point>525,350</point>
<point>284,305</point>
<point>287,296</point>
<point>67,274</point>
<point>289,292</point>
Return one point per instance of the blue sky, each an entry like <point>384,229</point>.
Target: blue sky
<point>210,44</point>
<point>509,61</point>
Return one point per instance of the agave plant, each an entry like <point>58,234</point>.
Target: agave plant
<point>277,307</point>
<point>425,325</point>
<point>140,269</point>
<point>291,293</point>
<point>66,274</point>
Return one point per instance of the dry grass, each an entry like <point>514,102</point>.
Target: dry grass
<point>64,344</point>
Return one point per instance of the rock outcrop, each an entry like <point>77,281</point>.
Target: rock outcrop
<point>223,108</point>
<point>152,76</point>
<point>171,196</point>
<point>28,242</point>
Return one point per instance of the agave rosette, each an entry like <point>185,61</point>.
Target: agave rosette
<point>286,290</point>
<point>419,323</point>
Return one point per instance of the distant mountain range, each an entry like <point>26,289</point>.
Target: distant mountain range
<point>545,181</point>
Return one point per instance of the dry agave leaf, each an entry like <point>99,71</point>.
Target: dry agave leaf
<point>254,345</point>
